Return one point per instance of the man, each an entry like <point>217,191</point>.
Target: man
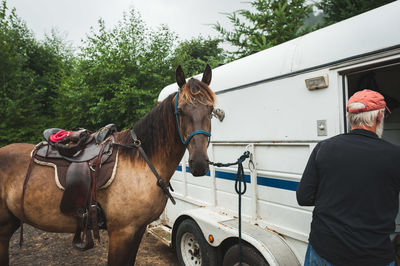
<point>354,181</point>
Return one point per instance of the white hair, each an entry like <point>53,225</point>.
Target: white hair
<point>379,128</point>
<point>364,118</point>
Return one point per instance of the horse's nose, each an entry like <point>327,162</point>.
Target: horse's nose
<point>198,167</point>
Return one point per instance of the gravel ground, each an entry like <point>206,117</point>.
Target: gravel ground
<point>43,248</point>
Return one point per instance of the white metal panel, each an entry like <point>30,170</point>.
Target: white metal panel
<point>200,194</point>
<point>277,196</point>
<point>178,176</point>
<point>201,181</point>
<point>229,202</point>
<point>178,186</point>
<point>282,110</point>
<point>282,158</point>
<point>286,220</point>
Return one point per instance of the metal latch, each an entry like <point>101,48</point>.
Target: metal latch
<point>219,113</point>
<point>322,128</point>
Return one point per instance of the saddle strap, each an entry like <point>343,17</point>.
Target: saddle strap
<point>160,181</point>
<point>92,203</point>
<point>86,241</point>
<point>83,239</point>
<point>137,144</point>
<point>78,241</point>
<point>28,174</point>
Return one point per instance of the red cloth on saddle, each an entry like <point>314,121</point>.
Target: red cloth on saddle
<point>59,135</point>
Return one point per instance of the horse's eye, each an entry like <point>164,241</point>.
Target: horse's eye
<point>179,111</point>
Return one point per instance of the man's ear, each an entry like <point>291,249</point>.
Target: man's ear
<point>380,117</point>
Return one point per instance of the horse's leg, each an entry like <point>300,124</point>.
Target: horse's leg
<point>8,224</point>
<point>123,245</point>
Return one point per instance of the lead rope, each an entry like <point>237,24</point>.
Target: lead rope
<point>240,178</point>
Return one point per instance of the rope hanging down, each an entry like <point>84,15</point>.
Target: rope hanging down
<point>240,178</point>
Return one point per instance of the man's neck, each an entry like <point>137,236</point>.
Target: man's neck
<point>373,128</point>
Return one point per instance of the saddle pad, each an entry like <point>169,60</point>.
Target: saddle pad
<point>103,179</point>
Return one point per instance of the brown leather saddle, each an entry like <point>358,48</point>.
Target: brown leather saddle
<point>84,163</point>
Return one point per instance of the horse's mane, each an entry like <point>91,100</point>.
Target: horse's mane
<point>159,125</point>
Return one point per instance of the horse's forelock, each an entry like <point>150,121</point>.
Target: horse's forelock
<point>197,91</point>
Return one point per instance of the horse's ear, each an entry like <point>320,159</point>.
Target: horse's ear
<point>180,77</point>
<point>207,75</point>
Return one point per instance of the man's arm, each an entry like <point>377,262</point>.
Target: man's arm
<point>307,189</point>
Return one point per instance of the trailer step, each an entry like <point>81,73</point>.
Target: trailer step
<point>162,232</point>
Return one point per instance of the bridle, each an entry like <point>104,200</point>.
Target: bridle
<point>185,142</point>
<point>137,144</point>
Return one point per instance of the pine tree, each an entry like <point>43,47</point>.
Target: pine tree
<point>273,22</point>
<point>338,10</point>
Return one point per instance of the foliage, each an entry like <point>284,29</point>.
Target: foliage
<point>119,74</point>
<point>193,55</point>
<point>338,10</point>
<point>115,78</point>
<point>273,22</point>
<point>30,72</point>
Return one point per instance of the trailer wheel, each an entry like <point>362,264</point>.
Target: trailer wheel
<point>191,247</point>
<point>250,256</point>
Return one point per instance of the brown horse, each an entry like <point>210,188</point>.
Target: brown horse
<point>133,200</point>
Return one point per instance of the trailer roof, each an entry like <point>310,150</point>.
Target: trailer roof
<point>374,30</point>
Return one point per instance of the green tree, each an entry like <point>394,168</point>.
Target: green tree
<point>115,78</point>
<point>338,10</point>
<point>193,55</point>
<point>273,22</point>
<point>30,72</point>
<point>119,73</point>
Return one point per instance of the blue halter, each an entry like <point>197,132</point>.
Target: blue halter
<point>185,142</point>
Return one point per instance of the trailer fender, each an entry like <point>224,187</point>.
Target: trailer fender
<point>221,226</point>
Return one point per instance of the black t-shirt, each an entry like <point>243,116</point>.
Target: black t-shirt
<point>354,182</point>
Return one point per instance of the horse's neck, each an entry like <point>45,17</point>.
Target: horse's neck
<point>167,159</point>
<point>162,143</point>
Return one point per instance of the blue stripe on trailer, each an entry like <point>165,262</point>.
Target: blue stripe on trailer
<point>262,181</point>
<point>277,183</point>
<point>230,176</point>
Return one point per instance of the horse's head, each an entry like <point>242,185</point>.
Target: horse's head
<point>194,103</point>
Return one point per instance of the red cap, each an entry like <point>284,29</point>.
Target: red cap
<point>371,99</point>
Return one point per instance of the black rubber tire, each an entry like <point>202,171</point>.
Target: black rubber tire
<point>207,252</point>
<point>250,256</point>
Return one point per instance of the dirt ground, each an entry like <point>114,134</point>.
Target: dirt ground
<point>42,248</point>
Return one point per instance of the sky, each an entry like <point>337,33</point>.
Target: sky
<point>73,18</point>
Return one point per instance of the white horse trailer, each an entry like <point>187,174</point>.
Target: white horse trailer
<point>278,104</point>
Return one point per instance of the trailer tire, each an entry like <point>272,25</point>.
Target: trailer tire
<point>192,248</point>
<point>250,256</point>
